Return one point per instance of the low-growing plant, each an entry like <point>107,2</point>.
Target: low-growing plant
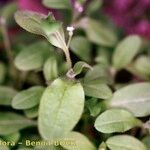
<point>76,89</point>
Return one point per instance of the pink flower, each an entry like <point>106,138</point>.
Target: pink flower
<point>33,5</point>
<point>37,6</point>
<point>132,15</point>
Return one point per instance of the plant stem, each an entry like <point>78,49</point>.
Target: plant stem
<point>70,37</point>
<point>8,50</point>
<point>65,49</point>
<point>68,58</point>
<point>6,40</point>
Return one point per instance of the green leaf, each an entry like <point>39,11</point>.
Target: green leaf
<point>11,122</point>
<point>58,104</point>
<point>81,142</point>
<point>50,69</point>
<point>98,33</point>
<point>2,72</point>
<point>79,66</point>
<point>99,74</point>
<point>13,137</point>
<point>103,56</point>
<point>30,21</point>
<point>103,146</point>
<point>33,56</point>
<point>94,83</point>
<point>28,98</point>
<point>134,97</point>
<point>81,47</point>
<point>126,51</point>
<point>42,25</point>
<point>94,6</point>
<point>57,4</point>
<point>32,112</point>
<point>142,65</point>
<point>94,106</point>
<point>50,26</point>
<point>97,90</point>
<point>124,142</point>
<point>2,147</point>
<point>6,95</point>
<point>116,120</point>
<point>146,141</point>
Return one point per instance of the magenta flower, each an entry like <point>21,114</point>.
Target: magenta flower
<point>132,15</point>
<point>33,5</point>
<point>37,6</point>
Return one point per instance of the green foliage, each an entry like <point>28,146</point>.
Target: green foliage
<point>32,112</point>
<point>11,122</point>
<point>110,122</point>
<point>97,90</point>
<point>50,69</point>
<point>90,86</point>
<point>58,104</point>
<point>81,47</point>
<point>146,141</point>
<point>57,4</point>
<point>32,57</point>
<point>2,72</point>
<point>124,142</point>
<point>98,33</point>
<point>27,99</point>
<point>6,95</point>
<point>126,50</point>
<point>133,97</point>
<point>79,66</point>
<point>81,142</point>
<point>94,106</point>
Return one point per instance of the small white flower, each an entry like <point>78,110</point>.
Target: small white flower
<point>70,29</point>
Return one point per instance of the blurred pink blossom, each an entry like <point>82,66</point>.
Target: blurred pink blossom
<point>33,5</point>
<point>132,15</point>
<point>37,6</point>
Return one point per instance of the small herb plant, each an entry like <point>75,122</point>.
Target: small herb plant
<point>76,104</point>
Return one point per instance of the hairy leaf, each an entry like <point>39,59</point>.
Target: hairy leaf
<point>146,141</point>
<point>6,95</point>
<point>126,50</point>
<point>116,120</point>
<point>32,112</point>
<point>81,47</point>
<point>98,33</point>
<point>32,57</point>
<point>79,66</point>
<point>58,105</point>
<point>50,69</point>
<point>134,97</point>
<point>81,142</point>
<point>28,98</point>
<point>97,90</point>
<point>124,142</point>
<point>11,122</point>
